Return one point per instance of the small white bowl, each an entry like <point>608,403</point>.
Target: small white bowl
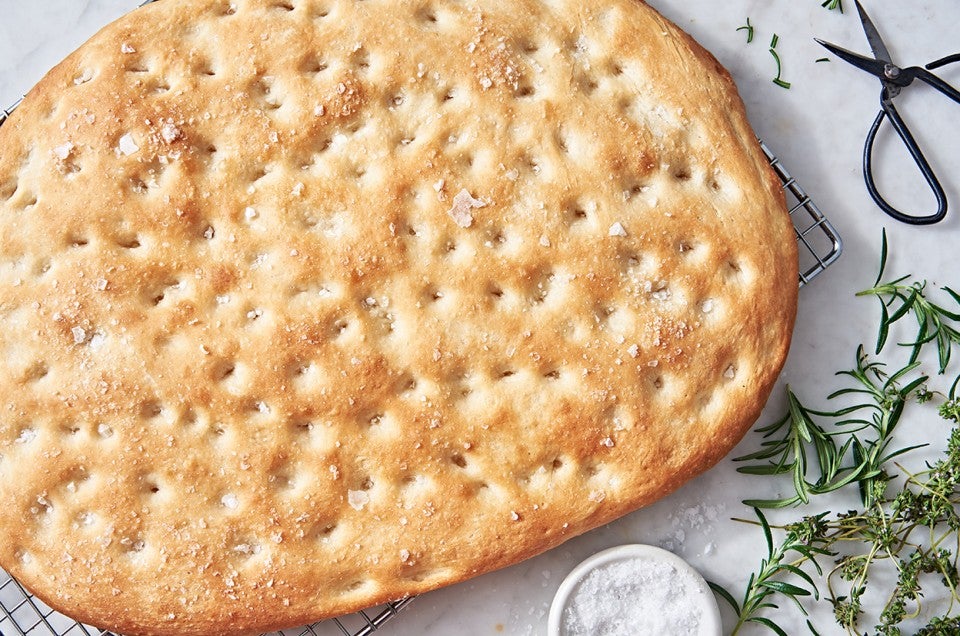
<point>710,624</point>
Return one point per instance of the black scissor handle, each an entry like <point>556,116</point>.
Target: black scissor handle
<point>888,110</point>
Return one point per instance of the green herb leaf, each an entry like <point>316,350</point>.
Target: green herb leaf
<point>749,29</point>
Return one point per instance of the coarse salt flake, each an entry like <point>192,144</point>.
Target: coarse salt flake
<point>706,306</point>
<point>127,48</point>
<point>63,151</point>
<point>617,229</point>
<point>250,213</point>
<point>79,335</point>
<point>608,442</point>
<point>633,350</point>
<point>463,203</point>
<point>97,341</point>
<point>357,499</point>
<point>544,241</point>
<point>170,132</point>
<point>230,501</point>
<point>127,146</point>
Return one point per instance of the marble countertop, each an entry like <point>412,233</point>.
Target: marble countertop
<point>817,127</point>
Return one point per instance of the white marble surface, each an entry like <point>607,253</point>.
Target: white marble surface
<point>817,127</point>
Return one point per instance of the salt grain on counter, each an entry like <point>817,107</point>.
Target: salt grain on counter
<point>634,596</point>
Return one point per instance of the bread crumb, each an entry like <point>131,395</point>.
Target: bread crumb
<point>617,229</point>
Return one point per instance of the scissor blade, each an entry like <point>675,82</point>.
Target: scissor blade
<point>873,36</point>
<point>868,64</point>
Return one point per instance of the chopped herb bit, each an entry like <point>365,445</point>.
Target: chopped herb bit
<point>749,29</point>
<point>774,41</point>
<point>823,59</point>
<point>777,80</point>
<point>833,4</point>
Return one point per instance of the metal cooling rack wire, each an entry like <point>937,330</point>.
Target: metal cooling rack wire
<point>820,244</point>
<point>25,615</point>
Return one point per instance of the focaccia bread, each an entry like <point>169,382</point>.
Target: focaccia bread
<point>312,304</point>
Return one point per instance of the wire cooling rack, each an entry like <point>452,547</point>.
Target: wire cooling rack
<point>820,244</point>
<point>23,614</point>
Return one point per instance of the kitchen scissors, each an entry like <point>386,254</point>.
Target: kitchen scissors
<point>894,79</point>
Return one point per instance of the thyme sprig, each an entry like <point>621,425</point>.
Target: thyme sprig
<point>909,520</point>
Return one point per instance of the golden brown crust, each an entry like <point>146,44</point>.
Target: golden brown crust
<point>309,305</point>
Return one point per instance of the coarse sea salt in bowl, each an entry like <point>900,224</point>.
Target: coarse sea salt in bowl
<point>634,590</point>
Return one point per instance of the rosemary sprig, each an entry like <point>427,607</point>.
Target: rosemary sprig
<point>858,458</point>
<point>909,520</point>
<point>801,542</point>
<point>935,323</point>
<point>773,51</point>
<point>749,29</point>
